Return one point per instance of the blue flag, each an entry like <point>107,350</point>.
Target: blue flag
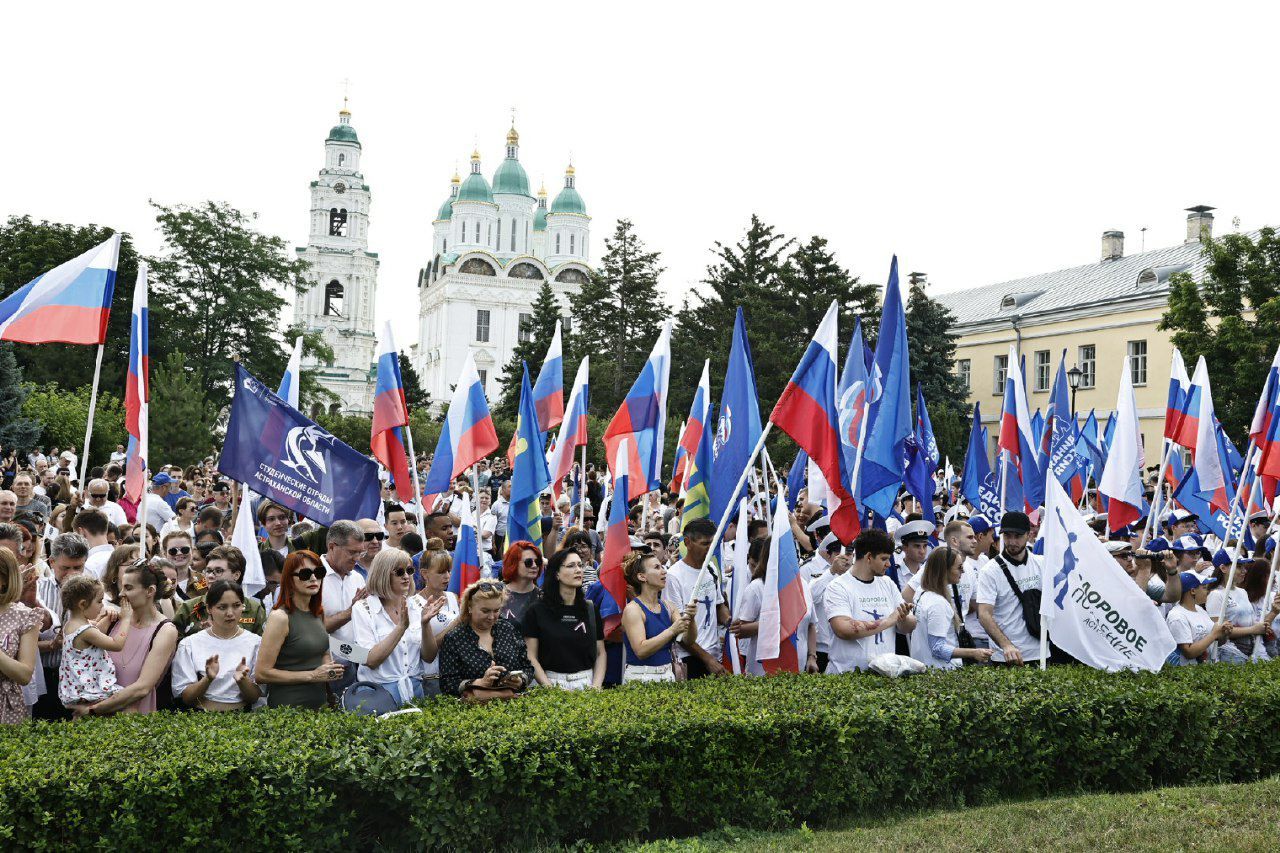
<point>976,464</point>
<point>796,479</point>
<point>922,459</point>
<point>1062,439</point>
<point>883,467</point>
<point>738,428</point>
<point>285,457</point>
<point>529,476</point>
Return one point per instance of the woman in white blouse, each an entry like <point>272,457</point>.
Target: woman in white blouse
<point>439,611</point>
<point>213,669</point>
<point>381,623</point>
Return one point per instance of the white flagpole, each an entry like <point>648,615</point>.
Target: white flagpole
<point>1235,552</point>
<point>582,490</point>
<point>413,473</point>
<point>88,429</point>
<point>1157,498</point>
<point>728,511</point>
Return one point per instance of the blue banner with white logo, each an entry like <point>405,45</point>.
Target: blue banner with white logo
<point>286,457</point>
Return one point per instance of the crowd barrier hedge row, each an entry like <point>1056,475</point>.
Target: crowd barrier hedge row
<point>644,760</point>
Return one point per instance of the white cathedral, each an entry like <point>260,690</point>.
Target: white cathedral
<point>492,248</point>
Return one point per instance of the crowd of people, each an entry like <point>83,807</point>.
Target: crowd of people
<point>359,614</point>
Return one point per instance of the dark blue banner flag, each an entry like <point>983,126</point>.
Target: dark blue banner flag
<point>287,458</point>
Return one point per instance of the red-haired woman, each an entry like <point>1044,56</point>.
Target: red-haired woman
<point>293,660</point>
<point>521,568</point>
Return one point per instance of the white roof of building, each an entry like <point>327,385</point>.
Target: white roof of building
<point>1135,276</point>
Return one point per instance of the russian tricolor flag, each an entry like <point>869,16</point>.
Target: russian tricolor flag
<point>1263,429</point>
<point>548,393</point>
<point>69,304</point>
<point>1208,464</point>
<point>1121,481</point>
<point>390,416</point>
<point>1024,481</point>
<point>466,555</point>
<point>468,434</point>
<point>785,602</point>
<point>1179,387</point>
<point>573,430</point>
<point>137,390</point>
<point>806,411</point>
<point>691,434</point>
<point>617,545</point>
<point>291,382</point>
<point>634,438</point>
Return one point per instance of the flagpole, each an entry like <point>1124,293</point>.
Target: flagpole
<point>1235,552</point>
<point>413,473</point>
<point>1004,479</point>
<point>1155,504</point>
<point>728,511</point>
<point>582,490</point>
<point>88,429</point>
<point>1271,577</point>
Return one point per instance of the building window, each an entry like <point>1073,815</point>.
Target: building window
<point>526,328</point>
<point>557,244</point>
<point>446,245</point>
<point>333,294</point>
<point>482,326</point>
<point>499,243</point>
<point>1088,365</point>
<point>964,371</point>
<point>1138,362</point>
<point>484,378</point>
<point>477,230</point>
<point>513,235</point>
<point>341,159</point>
<point>1002,370</point>
<point>337,222</point>
<point>1042,370</point>
<point>571,241</point>
<point>566,325</point>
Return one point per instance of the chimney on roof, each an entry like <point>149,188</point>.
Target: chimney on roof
<point>920,279</point>
<point>1199,223</point>
<point>1112,245</point>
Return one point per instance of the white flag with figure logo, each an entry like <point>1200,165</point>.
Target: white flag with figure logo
<point>1093,609</point>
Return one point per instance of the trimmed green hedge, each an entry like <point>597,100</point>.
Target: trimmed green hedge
<point>639,761</point>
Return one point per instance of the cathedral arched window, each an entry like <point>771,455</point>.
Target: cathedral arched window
<point>333,294</point>
<point>499,243</point>
<point>557,244</point>
<point>571,239</point>
<point>477,266</point>
<point>513,235</point>
<point>335,409</point>
<point>337,222</point>
<point>477,230</point>
<point>316,410</point>
<point>342,159</point>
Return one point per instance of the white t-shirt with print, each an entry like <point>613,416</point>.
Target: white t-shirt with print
<point>823,624</point>
<point>680,580</point>
<point>862,601</point>
<point>1191,626</point>
<point>993,589</point>
<point>1240,612</point>
<point>438,623</point>
<point>934,618</point>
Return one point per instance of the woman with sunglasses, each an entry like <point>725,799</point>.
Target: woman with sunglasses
<point>563,631</point>
<point>388,622</point>
<point>483,657</point>
<point>177,547</point>
<point>935,642</point>
<point>293,660</point>
<point>521,568</point>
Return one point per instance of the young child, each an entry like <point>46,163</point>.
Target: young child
<point>87,675</point>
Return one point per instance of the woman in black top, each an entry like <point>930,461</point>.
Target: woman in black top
<point>563,630</point>
<point>483,657</point>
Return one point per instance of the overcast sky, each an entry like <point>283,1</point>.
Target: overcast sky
<point>979,142</point>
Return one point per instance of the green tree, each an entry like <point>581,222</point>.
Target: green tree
<point>29,249</point>
<point>310,392</point>
<point>933,350</point>
<point>62,413</point>
<point>532,349</point>
<point>218,292</point>
<point>15,429</point>
<point>181,422</point>
<point>617,316</point>
<point>355,430</point>
<point>1232,319</point>
<point>415,396</point>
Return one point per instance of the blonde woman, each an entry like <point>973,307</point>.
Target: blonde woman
<point>483,657</point>
<point>381,623</point>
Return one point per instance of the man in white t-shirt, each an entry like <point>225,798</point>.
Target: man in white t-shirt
<point>701,658</point>
<point>999,606</point>
<point>97,496</point>
<point>836,559</point>
<point>864,607</point>
<point>342,587</point>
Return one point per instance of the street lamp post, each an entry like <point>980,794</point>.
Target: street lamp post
<point>1074,375</point>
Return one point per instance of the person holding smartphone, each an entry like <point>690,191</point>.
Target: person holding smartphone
<point>484,657</point>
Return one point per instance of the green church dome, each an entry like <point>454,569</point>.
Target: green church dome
<point>343,133</point>
<point>540,219</point>
<point>568,201</point>
<point>511,178</point>
<point>475,187</point>
<point>446,209</point>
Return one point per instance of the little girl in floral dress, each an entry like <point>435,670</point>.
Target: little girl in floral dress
<point>87,674</point>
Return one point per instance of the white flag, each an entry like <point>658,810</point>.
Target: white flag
<point>245,537</point>
<point>1094,611</point>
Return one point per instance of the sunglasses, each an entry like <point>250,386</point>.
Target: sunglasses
<point>98,496</point>
<point>173,552</point>
<point>405,572</point>
<point>374,537</point>
<point>307,574</point>
<point>530,562</point>
<point>493,585</point>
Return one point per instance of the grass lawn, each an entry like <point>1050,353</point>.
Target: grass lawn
<point>1218,817</point>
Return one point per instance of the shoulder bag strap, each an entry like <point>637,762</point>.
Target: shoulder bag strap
<point>1017,591</point>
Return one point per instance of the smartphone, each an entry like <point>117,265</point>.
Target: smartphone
<point>518,672</point>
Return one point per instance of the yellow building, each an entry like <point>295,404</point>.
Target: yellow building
<point>1097,313</point>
